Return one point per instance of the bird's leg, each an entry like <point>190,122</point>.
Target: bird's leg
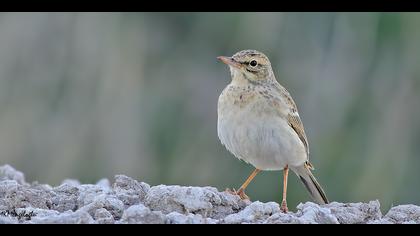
<point>241,190</point>
<point>283,207</point>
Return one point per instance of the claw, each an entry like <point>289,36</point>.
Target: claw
<point>283,207</point>
<point>239,193</point>
<point>242,195</point>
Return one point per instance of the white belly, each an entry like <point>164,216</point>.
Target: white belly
<point>264,140</point>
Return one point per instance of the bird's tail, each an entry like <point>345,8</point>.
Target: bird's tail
<point>308,179</point>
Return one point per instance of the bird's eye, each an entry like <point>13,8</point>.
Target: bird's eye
<point>253,63</point>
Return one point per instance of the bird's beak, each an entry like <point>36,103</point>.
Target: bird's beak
<point>229,61</point>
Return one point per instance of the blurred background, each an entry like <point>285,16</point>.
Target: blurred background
<point>91,95</point>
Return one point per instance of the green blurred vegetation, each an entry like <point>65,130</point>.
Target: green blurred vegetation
<point>91,95</point>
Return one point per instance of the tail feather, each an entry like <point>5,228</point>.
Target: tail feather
<point>311,184</point>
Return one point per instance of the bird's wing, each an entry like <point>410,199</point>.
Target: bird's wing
<point>293,116</point>
<point>295,122</point>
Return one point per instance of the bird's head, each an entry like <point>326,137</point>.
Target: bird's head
<point>249,64</point>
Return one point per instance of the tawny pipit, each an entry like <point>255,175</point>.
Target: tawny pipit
<point>258,122</point>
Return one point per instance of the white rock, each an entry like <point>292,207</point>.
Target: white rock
<point>311,213</point>
<point>104,183</point>
<point>178,218</point>
<point>128,201</point>
<point>65,197</point>
<point>102,216</point>
<point>72,182</point>
<point>111,203</point>
<point>206,201</point>
<point>256,212</point>
<point>8,220</point>
<point>14,195</point>
<point>404,214</point>
<point>355,213</point>
<point>140,214</point>
<point>130,191</point>
<point>89,192</point>
<point>9,173</point>
<point>283,218</point>
<point>67,217</point>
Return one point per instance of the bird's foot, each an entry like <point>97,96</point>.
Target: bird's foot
<point>240,193</point>
<point>283,207</point>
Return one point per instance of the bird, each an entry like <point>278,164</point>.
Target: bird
<point>258,122</point>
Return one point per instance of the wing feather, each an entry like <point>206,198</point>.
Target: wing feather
<point>293,116</point>
<point>296,124</point>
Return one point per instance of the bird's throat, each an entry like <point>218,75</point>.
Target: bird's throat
<point>239,78</point>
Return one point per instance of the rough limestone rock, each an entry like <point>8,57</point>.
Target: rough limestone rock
<point>14,195</point>
<point>8,220</point>
<point>130,191</point>
<point>178,218</point>
<point>9,173</point>
<point>103,216</point>
<point>139,214</point>
<point>256,212</point>
<point>108,202</point>
<point>67,217</point>
<point>128,201</point>
<point>64,197</point>
<point>355,213</point>
<point>206,201</point>
<point>403,214</point>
